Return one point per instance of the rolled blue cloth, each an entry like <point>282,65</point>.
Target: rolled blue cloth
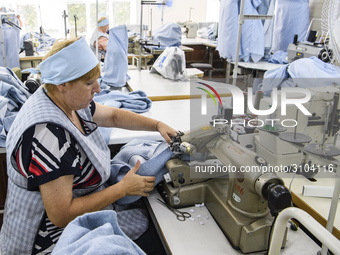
<point>114,72</point>
<point>95,233</point>
<point>152,154</point>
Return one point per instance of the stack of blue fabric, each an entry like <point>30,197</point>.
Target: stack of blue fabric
<point>95,233</point>
<point>136,101</point>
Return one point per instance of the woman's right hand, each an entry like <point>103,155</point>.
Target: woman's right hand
<point>134,184</point>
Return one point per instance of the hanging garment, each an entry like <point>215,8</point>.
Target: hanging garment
<point>291,17</point>
<point>11,37</point>
<point>114,72</point>
<point>252,37</point>
<point>228,29</point>
<point>267,7</point>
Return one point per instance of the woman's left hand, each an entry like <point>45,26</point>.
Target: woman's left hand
<point>166,131</point>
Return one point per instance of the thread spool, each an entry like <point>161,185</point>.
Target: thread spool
<point>258,97</point>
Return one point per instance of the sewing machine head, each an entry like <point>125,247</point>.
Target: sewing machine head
<point>233,181</point>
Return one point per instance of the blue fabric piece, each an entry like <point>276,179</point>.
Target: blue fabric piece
<point>268,26</point>
<point>68,64</point>
<point>152,154</point>
<point>304,72</point>
<point>252,37</point>
<point>135,101</point>
<point>211,32</point>
<point>169,34</point>
<point>44,40</point>
<point>273,79</point>
<point>11,42</point>
<point>31,70</point>
<point>263,7</point>
<point>13,95</point>
<point>95,233</point>
<point>279,57</point>
<point>291,17</point>
<point>228,29</point>
<point>115,68</point>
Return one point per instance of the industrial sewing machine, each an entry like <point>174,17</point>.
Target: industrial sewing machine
<point>191,29</point>
<point>239,200</point>
<point>322,126</point>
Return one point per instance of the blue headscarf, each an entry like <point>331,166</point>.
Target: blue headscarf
<point>68,64</point>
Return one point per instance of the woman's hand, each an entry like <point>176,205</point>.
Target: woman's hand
<point>166,131</point>
<point>137,185</point>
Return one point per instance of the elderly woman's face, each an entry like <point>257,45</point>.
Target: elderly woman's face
<point>79,94</point>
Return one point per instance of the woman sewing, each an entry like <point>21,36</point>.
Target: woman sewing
<point>57,160</point>
<point>100,38</point>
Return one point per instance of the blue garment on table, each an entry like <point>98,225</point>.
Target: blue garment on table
<point>252,37</point>
<point>13,95</point>
<point>169,34</point>
<point>279,57</point>
<point>95,233</point>
<point>114,72</point>
<point>152,154</point>
<point>136,101</point>
<point>291,17</point>
<point>304,73</point>
<point>44,40</point>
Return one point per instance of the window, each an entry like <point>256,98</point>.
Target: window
<point>121,12</point>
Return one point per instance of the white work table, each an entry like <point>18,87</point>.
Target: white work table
<point>203,236</point>
<point>175,113</point>
<point>158,88</point>
<point>318,207</point>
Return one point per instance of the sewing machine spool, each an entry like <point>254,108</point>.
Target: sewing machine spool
<point>322,150</point>
<point>273,128</point>
<point>294,137</point>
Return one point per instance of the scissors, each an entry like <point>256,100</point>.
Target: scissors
<point>181,216</point>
